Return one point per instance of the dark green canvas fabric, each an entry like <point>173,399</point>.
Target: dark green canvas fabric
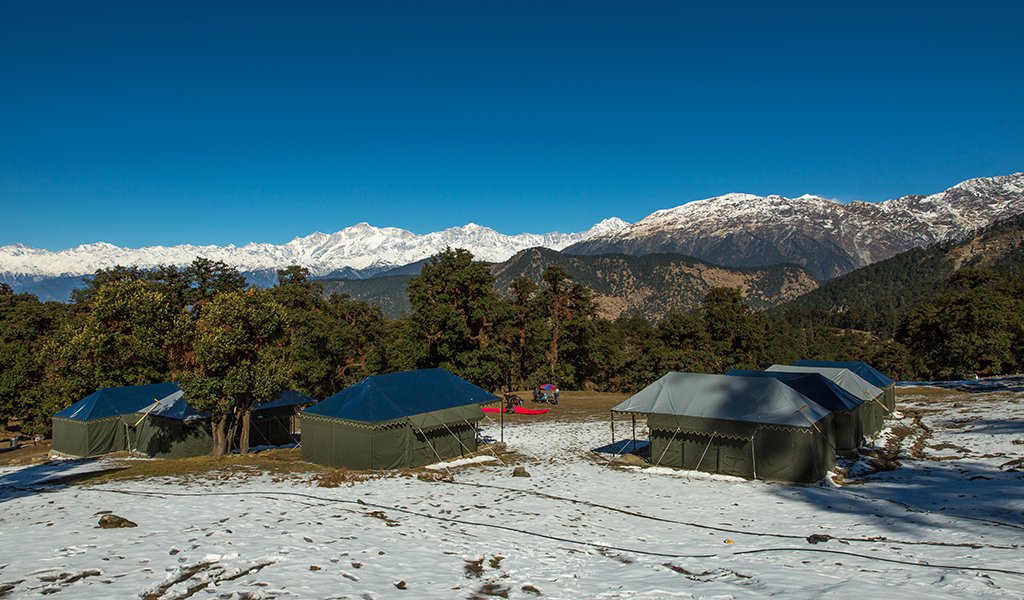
<point>161,437</point>
<point>411,442</point>
<point>88,438</point>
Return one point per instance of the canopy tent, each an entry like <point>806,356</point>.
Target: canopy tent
<point>852,418</point>
<point>751,427</point>
<point>865,372</point>
<point>849,381</point>
<point>157,420</point>
<point>395,421</point>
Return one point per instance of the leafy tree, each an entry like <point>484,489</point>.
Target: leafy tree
<point>736,333</point>
<point>526,330</point>
<point>686,344</point>
<point>234,357</point>
<point>964,333</point>
<point>119,337</point>
<point>25,325</point>
<point>570,310</point>
<point>207,278</point>
<point>455,309</point>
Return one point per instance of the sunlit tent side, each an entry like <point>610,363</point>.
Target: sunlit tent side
<point>157,420</point>
<point>852,383</point>
<point>395,421</point>
<point>750,427</point>
<point>865,372</point>
<point>852,418</point>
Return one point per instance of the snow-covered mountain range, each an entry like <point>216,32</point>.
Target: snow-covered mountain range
<point>825,236</point>
<point>358,250</point>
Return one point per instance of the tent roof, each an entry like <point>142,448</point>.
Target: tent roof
<point>815,386</point>
<point>287,398</point>
<point>397,395</point>
<point>844,378</point>
<point>174,406</point>
<point>170,400</point>
<point>114,401</point>
<point>862,369</point>
<point>725,397</point>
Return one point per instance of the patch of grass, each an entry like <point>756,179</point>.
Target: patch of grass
<point>283,463</point>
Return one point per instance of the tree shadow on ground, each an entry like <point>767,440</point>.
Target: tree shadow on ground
<point>924,498</point>
<point>46,476</point>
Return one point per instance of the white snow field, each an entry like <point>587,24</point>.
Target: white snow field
<point>945,526</point>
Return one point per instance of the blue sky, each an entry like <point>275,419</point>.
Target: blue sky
<point>154,122</point>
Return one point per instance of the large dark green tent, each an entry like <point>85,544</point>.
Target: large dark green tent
<point>852,418</point>
<point>156,420</point>
<point>851,382</point>
<point>865,372</point>
<point>395,421</point>
<point>751,427</point>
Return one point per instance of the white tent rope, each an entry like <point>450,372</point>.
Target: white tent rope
<point>432,449</point>
<point>666,447</point>
<point>706,448</point>
<point>489,446</point>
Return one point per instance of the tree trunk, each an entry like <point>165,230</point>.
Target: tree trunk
<point>232,432</point>
<point>243,442</point>
<point>217,424</point>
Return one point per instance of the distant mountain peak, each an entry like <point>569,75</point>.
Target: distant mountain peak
<point>352,249</point>
<point>828,237</point>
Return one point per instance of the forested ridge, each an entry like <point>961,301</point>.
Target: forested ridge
<point>948,311</point>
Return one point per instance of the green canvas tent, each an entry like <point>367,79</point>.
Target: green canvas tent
<point>852,418</point>
<point>752,427</point>
<point>156,420</point>
<point>100,422</point>
<point>852,383</point>
<point>395,421</point>
<point>865,372</point>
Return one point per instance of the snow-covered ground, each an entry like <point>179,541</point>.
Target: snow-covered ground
<point>933,528</point>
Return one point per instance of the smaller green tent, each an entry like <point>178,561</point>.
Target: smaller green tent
<point>852,418</point>
<point>752,427</point>
<point>156,420</point>
<point>395,421</point>
<point>101,422</point>
<point>872,396</point>
<point>865,372</point>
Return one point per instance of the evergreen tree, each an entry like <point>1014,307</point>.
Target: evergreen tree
<point>455,312</point>
<point>234,357</point>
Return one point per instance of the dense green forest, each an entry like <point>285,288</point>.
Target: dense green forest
<point>945,312</point>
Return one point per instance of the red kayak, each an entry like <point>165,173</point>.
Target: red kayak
<point>519,410</point>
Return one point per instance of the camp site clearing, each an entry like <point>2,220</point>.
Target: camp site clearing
<point>945,521</point>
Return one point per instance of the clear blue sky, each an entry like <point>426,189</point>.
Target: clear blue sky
<point>161,122</point>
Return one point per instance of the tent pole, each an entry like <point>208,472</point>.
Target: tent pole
<point>612,413</point>
<point>488,445</point>
<point>634,432</point>
<point>501,412</point>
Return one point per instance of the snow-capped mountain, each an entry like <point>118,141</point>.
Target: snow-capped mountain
<point>359,249</point>
<point>825,236</point>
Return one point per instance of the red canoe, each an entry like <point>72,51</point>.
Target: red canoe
<point>519,410</point>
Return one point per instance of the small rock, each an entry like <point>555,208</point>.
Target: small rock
<point>112,521</point>
<point>814,538</point>
<point>520,472</point>
<point>314,568</point>
<point>400,585</point>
